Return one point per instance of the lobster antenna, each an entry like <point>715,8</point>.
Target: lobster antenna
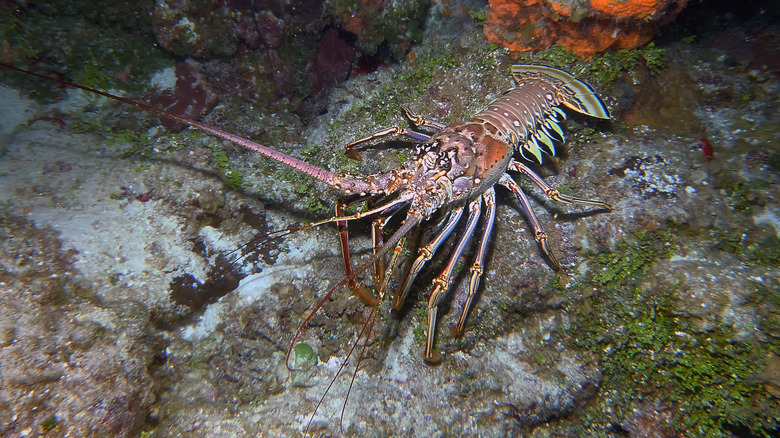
<point>368,328</point>
<point>410,222</point>
<point>315,172</point>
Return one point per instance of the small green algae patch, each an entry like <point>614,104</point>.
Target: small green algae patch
<point>741,194</point>
<point>479,16</point>
<point>747,248</point>
<point>304,355</point>
<point>304,185</point>
<point>48,424</point>
<point>607,67</point>
<point>137,143</point>
<point>632,258</point>
<point>655,362</point>
<point>421,324</point>
<point>221,161</point>
<point>603,69</point>
<point>304,364</point>
<point>314,153</point>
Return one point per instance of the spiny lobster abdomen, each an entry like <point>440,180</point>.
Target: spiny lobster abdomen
<point>529,113</point>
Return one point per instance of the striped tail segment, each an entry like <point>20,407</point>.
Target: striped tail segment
<point>527,116</point>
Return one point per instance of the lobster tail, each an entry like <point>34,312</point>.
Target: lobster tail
<point>527,116</point>
<point>572,92</point>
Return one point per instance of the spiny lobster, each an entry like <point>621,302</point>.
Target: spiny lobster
<point>455,168</point>
<point>458,166</point>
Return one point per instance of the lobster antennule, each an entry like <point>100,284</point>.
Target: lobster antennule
<point>574,93</point>
<point>398,203</point>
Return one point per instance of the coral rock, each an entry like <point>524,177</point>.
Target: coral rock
<point>200,29</point>
<point>329,68</point>
<point>249,33</point>
<point>585,27</point>
<point>374,22</point>
<point>271,28</point>
<point>192,97</point>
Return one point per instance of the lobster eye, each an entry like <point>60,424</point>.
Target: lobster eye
<point>444,162</point>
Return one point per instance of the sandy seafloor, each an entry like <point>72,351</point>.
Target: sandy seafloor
<point>92,342</point>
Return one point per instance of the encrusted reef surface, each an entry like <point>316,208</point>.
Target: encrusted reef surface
<point>585,27</point>
<point>143,291</point>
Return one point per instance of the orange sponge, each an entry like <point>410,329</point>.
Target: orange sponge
<point>585,27</point>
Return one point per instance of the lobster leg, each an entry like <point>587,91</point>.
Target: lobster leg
<point>425,254</point>
<point>442,282</point>
<point>378,239</point>
<point>477,268</point>
<point>551,192</point>
<point>343,231</point>
<point>539,234</point>
<point>419,122</point>
<point>395,131</point>
<point>388,273</point>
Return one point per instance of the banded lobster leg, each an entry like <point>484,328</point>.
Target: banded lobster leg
<point>424,254</point>
<point>479,260</point>
<point>376,238</point>
<point>539,235</point>
<point>443,281</point>
<point>551,192</point>
<point>396,131</point>
<point>420,122</point>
